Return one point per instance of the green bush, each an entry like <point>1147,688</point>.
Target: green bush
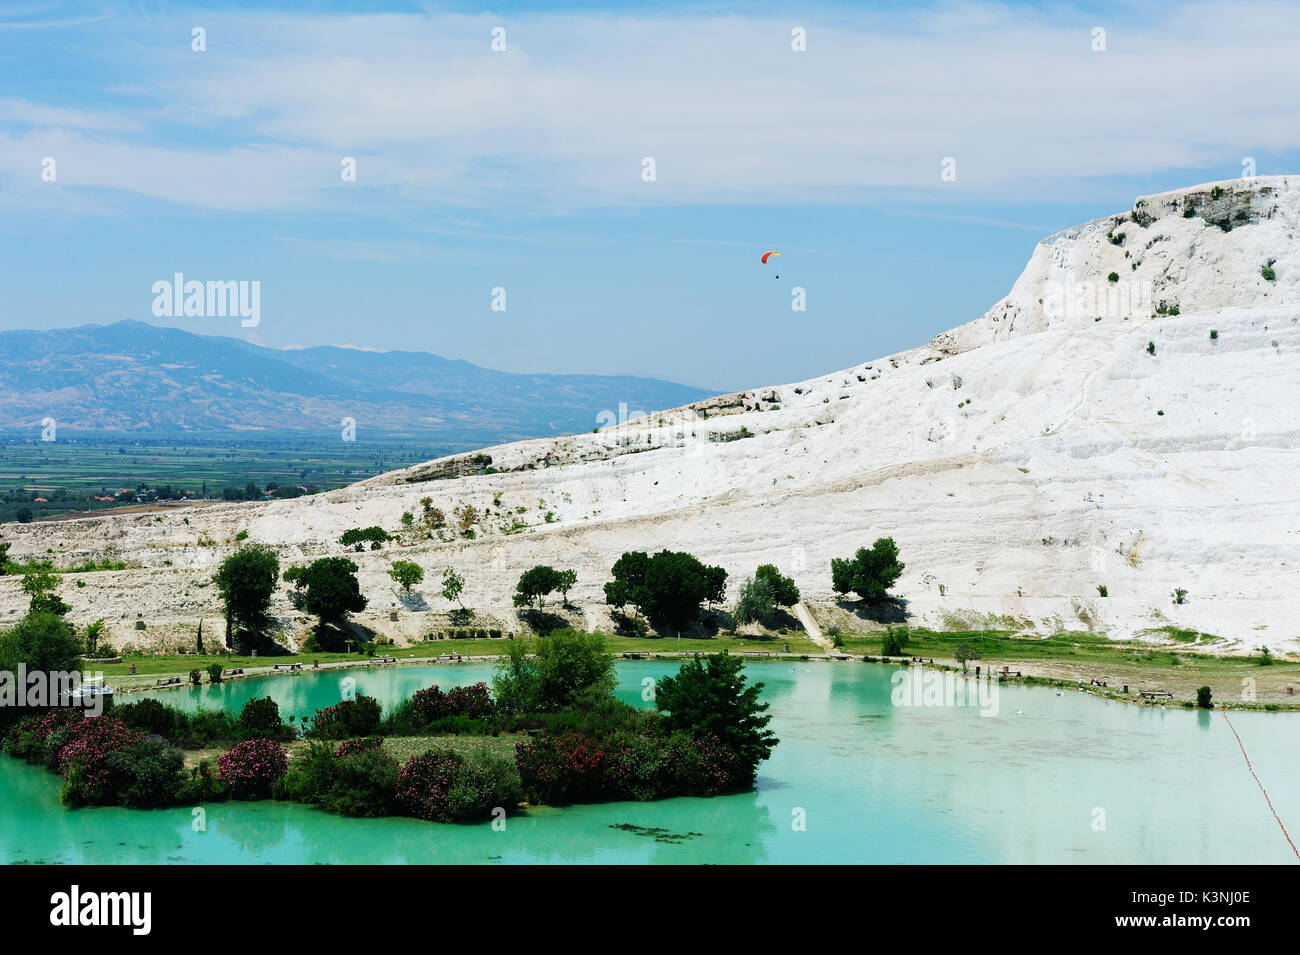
<point>260,718</point>
<point>40,641</point>
<point>484,781</point>
<point>152,716</point>
<point>895,641</point>
<point>1204,699</point>
<point>568,667</point>
<point>203,785</point>
<point>357,717</point>
<point>205,728</point>
<point>148,775</point>
<point>445,786</point>
<point>361,783</point>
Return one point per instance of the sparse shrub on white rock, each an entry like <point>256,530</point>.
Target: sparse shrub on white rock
<point>1055,471</point>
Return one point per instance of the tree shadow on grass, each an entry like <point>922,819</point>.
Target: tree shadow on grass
<point>247,642</point>
<point>542,622</point>
<point>781,617</point>
<point>887,610</point>
<point>336,638</point>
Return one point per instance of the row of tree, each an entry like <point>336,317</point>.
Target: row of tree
<point>669,588</point>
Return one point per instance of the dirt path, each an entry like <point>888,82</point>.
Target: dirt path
<point>811,627</point>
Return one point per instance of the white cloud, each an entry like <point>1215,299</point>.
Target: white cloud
<point>727,110</point>
<point>24,113</point>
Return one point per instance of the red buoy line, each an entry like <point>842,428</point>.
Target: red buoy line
<point>1260,785</point>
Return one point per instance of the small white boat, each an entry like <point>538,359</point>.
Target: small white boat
<point>91,688</point>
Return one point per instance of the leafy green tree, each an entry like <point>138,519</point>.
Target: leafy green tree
<point>715,581</point>
<point>1204,699</point>
<point>246,581</point>
<point>868,573</point>
<point>566,582</point>
<point>4,556</point>
<point>94,631</point>
<point>39,584</point>
<point>406,574</point>
<point>516,685</point>
<point>329,589</point>
<point>535,584</point>
<point>709,695</point>
<point>784,591</point>
<point>757,601</point>
<point>895,641</point>
<point>360,536</point>
<point>41,641</point>
<point>23,515</point>
<point>963,653</point>
<point>572,668</point>
<point>568,669</point>
<point>670,586</point>
<point>628,585</point>
<point>452,586</point>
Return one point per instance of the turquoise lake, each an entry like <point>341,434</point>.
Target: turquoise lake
<point>1049,779</point>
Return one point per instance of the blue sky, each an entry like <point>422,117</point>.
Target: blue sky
<point>523,169</point>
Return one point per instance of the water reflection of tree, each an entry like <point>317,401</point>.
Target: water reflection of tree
<point>734,831</point>
<point>253,827</point>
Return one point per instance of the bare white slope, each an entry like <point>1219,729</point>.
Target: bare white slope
<point>1019,461</point>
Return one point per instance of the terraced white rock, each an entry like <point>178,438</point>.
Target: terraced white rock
<point>1019,461</point>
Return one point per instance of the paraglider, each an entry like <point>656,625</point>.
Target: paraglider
<point>769,254</point>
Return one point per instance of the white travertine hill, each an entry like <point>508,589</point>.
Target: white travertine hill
<point>1019,461</point>
<point>1167,249</point>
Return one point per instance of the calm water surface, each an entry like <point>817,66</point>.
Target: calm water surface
<point>1049,779</point>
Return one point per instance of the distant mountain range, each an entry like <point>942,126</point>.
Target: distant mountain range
<point>135,377</point>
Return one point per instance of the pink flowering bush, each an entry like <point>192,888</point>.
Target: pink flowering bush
<point>350,747</point>
<point>424,785</point>
<point>564,768</point>
<point>575,768</point>
<point>83,758</point>
<point>700,765</point>
<point>252,768</point>
<point>445,786</point>
<point>28,739</point>
<point>473,702</point>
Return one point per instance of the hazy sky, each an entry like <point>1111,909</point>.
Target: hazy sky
<point>523,168</point>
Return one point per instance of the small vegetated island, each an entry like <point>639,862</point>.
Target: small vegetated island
<point>548,731</point>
